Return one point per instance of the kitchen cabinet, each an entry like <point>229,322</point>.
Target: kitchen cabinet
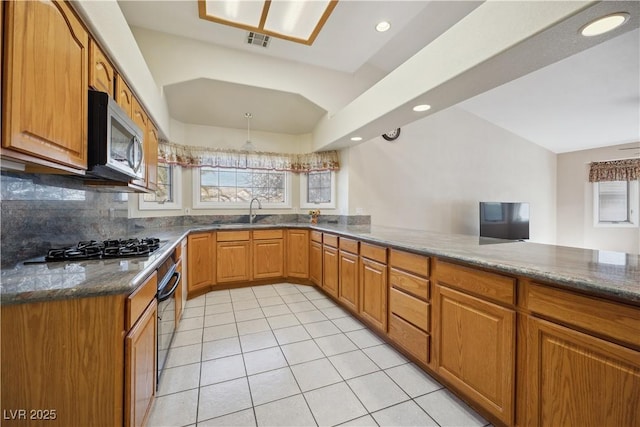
<point>101,72</point>
<point>268,254</point>
<point>233,258</point>
<point>330,264</point>
<point>140,367</point>
<point>575,374</point>
<point>315,258</point>
<point>298,254</point>
<point>348,273</point>
<point>59,356</point>
<point>44,116</point>
<point>409,303</point>
<point>201,262</point>
<point>124,96</point>
<point>373,293</point>
<point>474,336</point>
<point>151,156</point>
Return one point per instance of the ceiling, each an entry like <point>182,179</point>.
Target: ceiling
<point>570,105</point>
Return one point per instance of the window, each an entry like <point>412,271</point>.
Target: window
<point>168,196</point>
<point>616,203</point>
<point>234,188</point>
<point>317,190</point>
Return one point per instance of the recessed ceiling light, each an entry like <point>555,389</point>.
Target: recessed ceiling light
<point>421,107</point>
<point>604,24</point>
<point>356,138</point>
<point>383,26</point>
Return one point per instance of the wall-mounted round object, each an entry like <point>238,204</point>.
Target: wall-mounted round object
<point>392,135</point>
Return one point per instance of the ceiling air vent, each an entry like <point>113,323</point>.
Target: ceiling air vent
<point>258,39</point>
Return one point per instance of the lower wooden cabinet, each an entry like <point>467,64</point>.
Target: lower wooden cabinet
<point>298,254</point>
<point>579,380</point>
<point>201,261</point>
<point>373,293</point>
<point>330,275</point>
<point>233,261</point>
<point>474,349</point>
<point>268,258</point>
<point>315,263</point>
<point>140,367</point>
<point>348,283</point>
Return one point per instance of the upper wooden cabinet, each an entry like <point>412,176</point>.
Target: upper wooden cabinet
<point>101,72</point>
<point>298,253</point>
<point>46,61</point>
<point>151,156</point>
<point>124,96</point>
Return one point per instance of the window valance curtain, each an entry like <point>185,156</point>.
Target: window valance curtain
<point>616,170</point>
<point>190,156</point>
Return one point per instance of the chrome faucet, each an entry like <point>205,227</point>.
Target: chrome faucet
<point>252,216</point>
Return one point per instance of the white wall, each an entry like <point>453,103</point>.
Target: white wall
<point>434,175</point>
<point>575,204</point>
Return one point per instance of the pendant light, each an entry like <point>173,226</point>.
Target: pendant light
<point>248,146</point>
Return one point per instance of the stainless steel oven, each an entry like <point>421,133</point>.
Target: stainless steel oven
<point>168,282</point>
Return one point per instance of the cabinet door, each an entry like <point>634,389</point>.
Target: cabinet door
<point>268,258</point>
<point>101,72</point>
<point>315,263</point>
<point>151,156</point>
<point>140,367</point>
<point>579,380</point>
<point>201,261</point>
<point>348,284</point>
<point>46,80</point>
<point>373,293</point>
<point>298,253</point>
<point>330,270</point>
<point>233,262</point>
<point>474,349</point>
<point>124,97</point>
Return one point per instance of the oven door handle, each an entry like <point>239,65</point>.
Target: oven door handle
<point>162,295</point>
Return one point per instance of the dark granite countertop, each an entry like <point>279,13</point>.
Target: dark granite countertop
<point>604,274</point>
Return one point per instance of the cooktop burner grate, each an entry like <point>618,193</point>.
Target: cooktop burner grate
<point>111,248</point>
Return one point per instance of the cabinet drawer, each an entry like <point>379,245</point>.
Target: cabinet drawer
<point>139,299</point>
<point>614,320</point>
<point>373,252</point>
<point>330,240</point>
<point>409,283</point>
<point>349,245</point>
<point>232,236</point>
<point>484,284</point>
<point>417,264</point>
<point>412,339</point>
<point>268,234</point>
<point>316,236</point>
<point>409,308</point>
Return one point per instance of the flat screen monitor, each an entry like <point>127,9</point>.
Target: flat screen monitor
<point>504,220</point>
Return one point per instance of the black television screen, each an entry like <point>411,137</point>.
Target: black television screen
<point>502,220</point>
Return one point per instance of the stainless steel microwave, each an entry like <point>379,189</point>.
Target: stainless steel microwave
<point>116,150</point>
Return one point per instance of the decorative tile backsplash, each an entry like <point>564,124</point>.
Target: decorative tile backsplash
<point>40,212</point>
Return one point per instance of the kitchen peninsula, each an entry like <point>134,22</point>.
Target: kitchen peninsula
<point>534,312</point>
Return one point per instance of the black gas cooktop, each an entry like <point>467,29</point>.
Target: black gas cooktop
<point>112,248</point>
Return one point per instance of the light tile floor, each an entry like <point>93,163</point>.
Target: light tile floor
<point>286,355</point>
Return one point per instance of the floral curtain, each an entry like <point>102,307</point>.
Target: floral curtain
<point>190,156</point>
<point>616,170</point>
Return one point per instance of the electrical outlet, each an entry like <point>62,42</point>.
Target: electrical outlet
<point>187,211</point>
